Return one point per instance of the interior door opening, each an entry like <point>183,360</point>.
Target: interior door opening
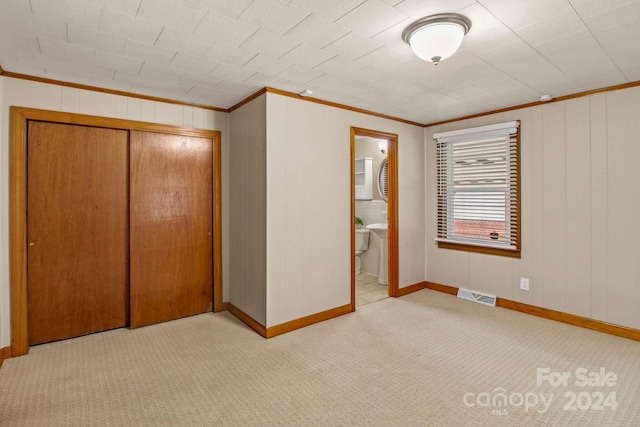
<point>374,216</point>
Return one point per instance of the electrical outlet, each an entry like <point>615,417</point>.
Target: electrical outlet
<point>524,283</point>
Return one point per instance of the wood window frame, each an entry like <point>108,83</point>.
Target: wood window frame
<point>20,116</point>
<point>517,217</point>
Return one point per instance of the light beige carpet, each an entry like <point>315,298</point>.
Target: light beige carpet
<point>427,359</point>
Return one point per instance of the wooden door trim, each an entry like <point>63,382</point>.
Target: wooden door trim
<point>18,231</point>
<point>218,303</point>
<point>392,208</point>
<point>18,203</point>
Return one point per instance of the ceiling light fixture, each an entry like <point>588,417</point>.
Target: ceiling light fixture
<point>436,37</point>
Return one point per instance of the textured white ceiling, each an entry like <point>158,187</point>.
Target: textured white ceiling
<point>218,52</point>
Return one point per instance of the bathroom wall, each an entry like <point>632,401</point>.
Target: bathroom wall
<point>309,219</point>
<point>580,209</point>
<point>372,211</point>
<point>24,93</point>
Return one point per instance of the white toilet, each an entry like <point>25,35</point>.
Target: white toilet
<point>362,244</point>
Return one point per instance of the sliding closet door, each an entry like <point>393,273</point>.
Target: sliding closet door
<point>77,271</point>
<point>170,226</point>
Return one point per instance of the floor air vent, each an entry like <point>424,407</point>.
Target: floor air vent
<point>477,297</point>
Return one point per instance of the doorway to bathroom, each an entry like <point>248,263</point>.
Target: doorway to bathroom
<point>374,216</point>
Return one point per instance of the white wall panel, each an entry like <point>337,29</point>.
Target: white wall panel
<point>172,114</point>
<point>247,211</point>
<point>70,99</point>
<point>147,110</point>
<point>210,119</point>
<point>448,266</point>
<point>198,118</point>
<point>97,103</point>
<point>305,211</point>
<point>122,107</point>
<point>11,95</point>
<point>489,274</point>
<point>133,109</point>
<point>599,206</point>
<point>411,221</point>
<point>41,95</point>
<point>536,243</point>
<point>276,221</point>
<point>187,114</point>
<point>623,129</point>
<point>554,206</point>
<point>578,205</point>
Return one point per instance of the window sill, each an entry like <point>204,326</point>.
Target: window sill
<point>480,249</point>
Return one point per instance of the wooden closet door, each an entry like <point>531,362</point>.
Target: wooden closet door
<point>170,226</point>
<point>77,262</point>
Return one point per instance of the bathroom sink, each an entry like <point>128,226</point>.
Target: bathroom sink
<point>381,229</point>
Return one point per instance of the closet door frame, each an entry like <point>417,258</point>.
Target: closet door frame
<point>18,203</point>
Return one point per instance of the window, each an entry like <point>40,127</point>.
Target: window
<point>479,189</point>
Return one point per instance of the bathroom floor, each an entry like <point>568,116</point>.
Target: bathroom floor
<point>368,290</point>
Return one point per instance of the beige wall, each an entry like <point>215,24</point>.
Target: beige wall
<point>16,92</point>
<point>308,219</point>
<point>248,166</point>
<point>580,207</point>
<point>580,201</point>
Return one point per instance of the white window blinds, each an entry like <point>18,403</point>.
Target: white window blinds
<point>478,186</point>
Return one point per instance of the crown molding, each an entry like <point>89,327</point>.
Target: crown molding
<point>109,91</point>
<point>341,106</point>
<point>314,100</point>
<point>318,101</point>
<point>247,100</point>
<point>533,104</point>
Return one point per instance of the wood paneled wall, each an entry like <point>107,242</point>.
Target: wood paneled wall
<point>580,210</point>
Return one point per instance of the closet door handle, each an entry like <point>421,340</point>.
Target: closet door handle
<point>31,243</point>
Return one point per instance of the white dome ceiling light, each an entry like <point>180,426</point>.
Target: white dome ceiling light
<point>436,37</point>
